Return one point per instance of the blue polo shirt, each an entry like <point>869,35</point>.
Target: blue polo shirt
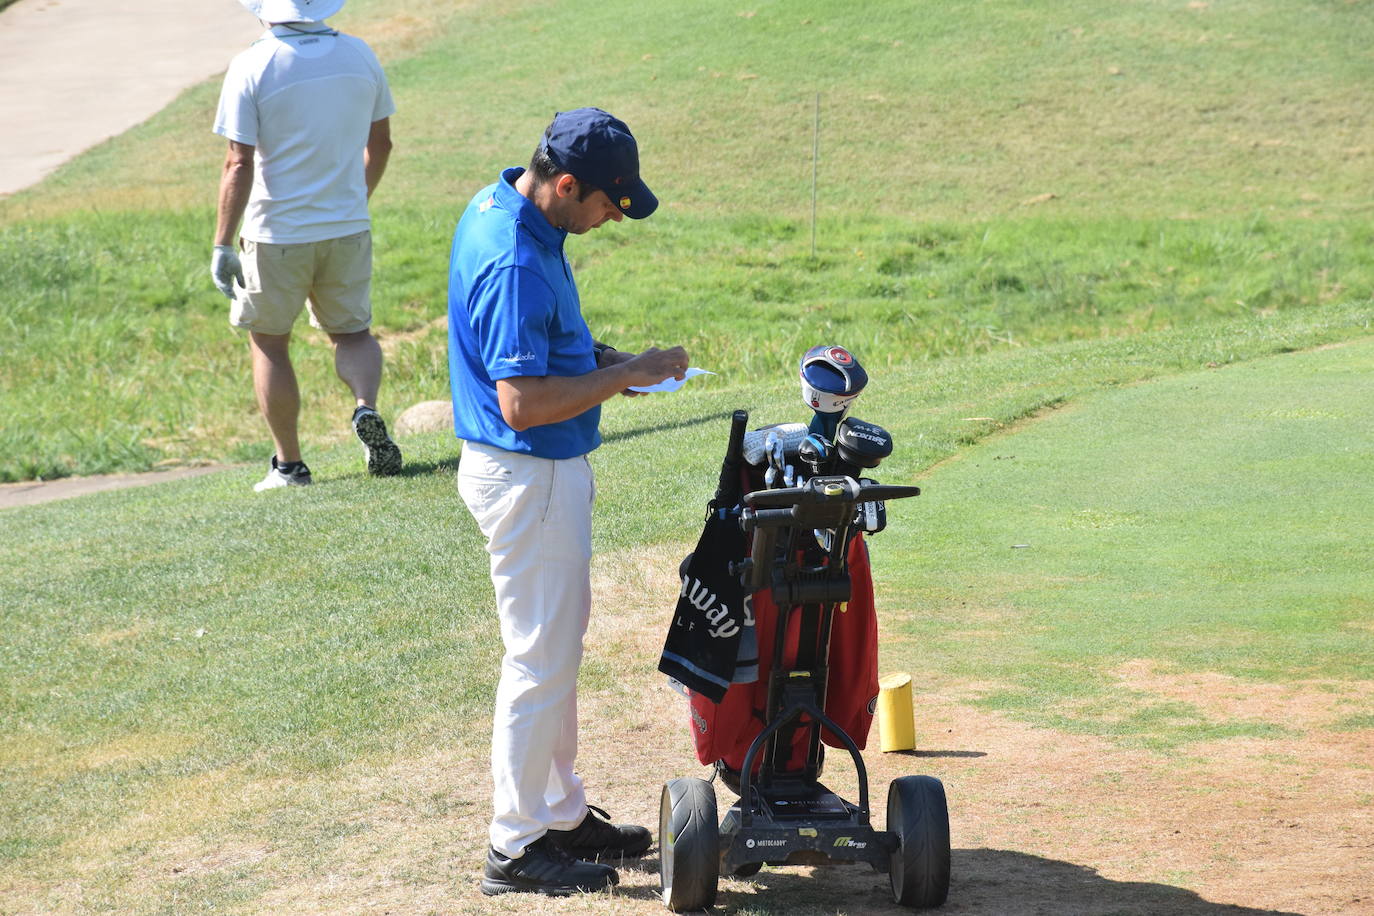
<point>513,310</point>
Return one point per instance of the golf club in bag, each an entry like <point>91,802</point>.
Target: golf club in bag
<point>774,640</point>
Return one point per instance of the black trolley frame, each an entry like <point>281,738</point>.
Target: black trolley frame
<point>786,816</point>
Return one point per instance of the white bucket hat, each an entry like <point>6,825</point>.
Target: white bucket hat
<point>275,11</point>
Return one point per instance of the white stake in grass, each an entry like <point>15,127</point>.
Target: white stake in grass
<point>815,158</point>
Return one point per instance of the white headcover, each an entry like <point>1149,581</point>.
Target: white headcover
<point>274,11</point>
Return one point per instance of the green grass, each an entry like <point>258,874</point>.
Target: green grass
<point>1203,521</point>
<point>205,637</point>
<point>198,638</point>
<point>926,112</point>
<point>112,368</point>
<point>195,667</point>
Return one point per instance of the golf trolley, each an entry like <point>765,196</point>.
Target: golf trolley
<point>806,559</point>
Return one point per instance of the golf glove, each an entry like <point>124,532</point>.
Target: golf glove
<point>225,267</point>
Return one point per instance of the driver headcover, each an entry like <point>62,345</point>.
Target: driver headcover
<point>831,379</point>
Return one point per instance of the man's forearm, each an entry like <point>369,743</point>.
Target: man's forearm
<point>373,169</point>
<point>537,401</point>
<point>235,184</point>
<point>376,153</point>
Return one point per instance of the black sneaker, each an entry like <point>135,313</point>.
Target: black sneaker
<point>383,457</point>
<point>597,838</point>
<point>544,869</point>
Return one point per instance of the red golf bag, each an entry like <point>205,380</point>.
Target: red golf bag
<point>723,731</point>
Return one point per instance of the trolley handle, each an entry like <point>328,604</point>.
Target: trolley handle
<point>821,490</point>
<point>882,492</point>
<point>754,519</point>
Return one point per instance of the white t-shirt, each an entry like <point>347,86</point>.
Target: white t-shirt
<point>306,102</point>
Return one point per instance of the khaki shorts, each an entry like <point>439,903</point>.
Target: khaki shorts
<point>335,276</point>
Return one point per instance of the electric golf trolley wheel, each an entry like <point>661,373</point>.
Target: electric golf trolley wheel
<point>688,845</point>
<point>919,817</point>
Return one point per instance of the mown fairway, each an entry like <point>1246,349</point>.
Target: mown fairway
<point>1093,254</point>
<point>1206,522</point>
<point>203,721</point>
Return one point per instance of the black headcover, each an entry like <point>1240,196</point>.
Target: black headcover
<point>862,444</point>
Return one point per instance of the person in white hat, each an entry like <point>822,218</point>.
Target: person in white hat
<point>306,111</point>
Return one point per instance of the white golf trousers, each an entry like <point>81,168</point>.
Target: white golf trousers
<point>536,514</point>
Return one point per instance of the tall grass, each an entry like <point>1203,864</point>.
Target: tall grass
<point>991,177</point>
<point>934,112</point>
<point>118,356</point>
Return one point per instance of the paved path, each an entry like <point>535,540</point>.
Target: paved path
<point>76,72</point>
<point>32,492</point>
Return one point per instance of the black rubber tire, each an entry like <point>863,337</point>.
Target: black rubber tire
<point>688,845</point>
<point>918,814</point>
<point>747,870</point>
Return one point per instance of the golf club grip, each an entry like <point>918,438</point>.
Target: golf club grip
<point>728,487</point>
<point>771,518</point>
<point>762,549</point>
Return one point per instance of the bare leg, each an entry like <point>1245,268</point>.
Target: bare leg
<point>358,361</point>
<point>279,398</point>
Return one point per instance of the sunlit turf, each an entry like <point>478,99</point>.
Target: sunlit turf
<point>236,663</point>
<point>1204,522</point>
<point>1124,243</point>
<point>1151,166</point>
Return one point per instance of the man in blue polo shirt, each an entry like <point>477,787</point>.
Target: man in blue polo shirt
<point>528,381</point>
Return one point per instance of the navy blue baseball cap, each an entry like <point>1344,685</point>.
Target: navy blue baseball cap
<point>597,148</point>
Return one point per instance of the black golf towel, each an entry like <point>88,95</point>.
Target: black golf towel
<point>704,642</point>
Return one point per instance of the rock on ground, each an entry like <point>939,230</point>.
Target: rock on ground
<point>425,417</point>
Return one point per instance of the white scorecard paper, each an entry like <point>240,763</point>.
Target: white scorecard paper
<point>671,384</point>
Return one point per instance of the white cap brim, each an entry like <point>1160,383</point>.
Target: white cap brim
<point>293,10</point>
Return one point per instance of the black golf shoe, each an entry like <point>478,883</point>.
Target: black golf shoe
<point>383,456</point>
<point>545,868</point>
<point>597,838</point>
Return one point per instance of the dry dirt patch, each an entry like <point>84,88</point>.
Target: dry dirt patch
<point>1220,697</point>
<point>1042,822</point>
